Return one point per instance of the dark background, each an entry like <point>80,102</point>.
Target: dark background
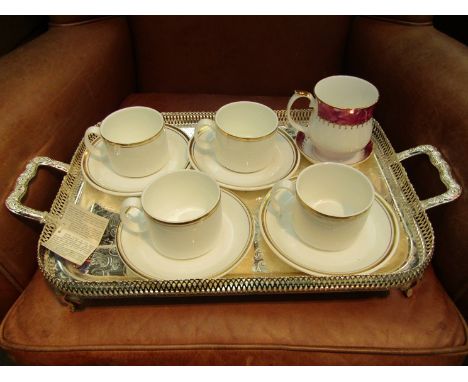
<point>17,30</point>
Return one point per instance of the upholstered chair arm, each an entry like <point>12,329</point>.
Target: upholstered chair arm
<point>422,76</point>
<point>51,90</point>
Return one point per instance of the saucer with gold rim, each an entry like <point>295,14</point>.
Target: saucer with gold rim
<point>285,162</point>
<point>375,244</point>
<point>234,241</point>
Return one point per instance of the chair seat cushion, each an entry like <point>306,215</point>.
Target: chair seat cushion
<point>306,330</point>
<point>291,330</point>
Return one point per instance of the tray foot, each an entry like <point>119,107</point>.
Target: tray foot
<point>408,289</point>
<point>72,302</point>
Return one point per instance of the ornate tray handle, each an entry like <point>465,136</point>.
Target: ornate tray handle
<point>13,202</point>
<point>453,188</point>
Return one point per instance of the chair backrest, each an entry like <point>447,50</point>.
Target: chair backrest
<point>237,54</point>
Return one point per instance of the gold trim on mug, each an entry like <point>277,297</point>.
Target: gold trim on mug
<point>136,144</point>
<point>304,204</point>
<point>205,216</point>
<point>245,139</point>
<point>324,215</point>
<point>334,217</point>
<point>346,108</point>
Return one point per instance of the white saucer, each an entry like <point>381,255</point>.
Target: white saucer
<point>375,244</point>
<point>285,162</point>
<point>99,174</point>
<point>233,243</point>
<point>306,147</point>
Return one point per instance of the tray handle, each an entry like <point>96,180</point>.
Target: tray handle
<point>435,157</point>
<point>14,200</point>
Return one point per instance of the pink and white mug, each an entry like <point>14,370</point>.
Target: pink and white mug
<point>341,122</point>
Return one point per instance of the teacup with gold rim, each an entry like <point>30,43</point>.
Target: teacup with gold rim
<point>181,211</point>
<point>135,142</point>
<point>241,136</point>
<point>332,203</point>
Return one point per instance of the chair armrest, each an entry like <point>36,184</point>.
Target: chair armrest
<point>51,90</point>
<point>422,76</point>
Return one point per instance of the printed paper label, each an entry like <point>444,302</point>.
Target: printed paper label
<point>78,234</point>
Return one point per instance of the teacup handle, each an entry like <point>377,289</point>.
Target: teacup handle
<point>135,223</point>
<point>94,151</point>
<point>283,185</point>
<point>203,126</point>
<point>300,94</point>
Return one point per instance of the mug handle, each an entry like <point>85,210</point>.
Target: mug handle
<point>136,223</point>
<point>94,151</point>
<point>203,126</point>
<point>299,94</point>
<point>284,185</point>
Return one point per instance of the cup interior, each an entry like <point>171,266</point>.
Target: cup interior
<point>132,125</point>
<point>246,119</point>
<point>346,92</point>
<point>181,197</point>
<point>335,190</point>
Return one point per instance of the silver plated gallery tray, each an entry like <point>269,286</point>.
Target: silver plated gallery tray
<point>106,276</point>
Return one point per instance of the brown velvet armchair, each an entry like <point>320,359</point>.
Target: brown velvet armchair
<point>82,69</point>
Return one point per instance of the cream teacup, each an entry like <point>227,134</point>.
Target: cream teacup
<point>341,122</point>
<point>181,211</point>
<point>134,141</point>
<point>241,136</point>
<point>332,204</point>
